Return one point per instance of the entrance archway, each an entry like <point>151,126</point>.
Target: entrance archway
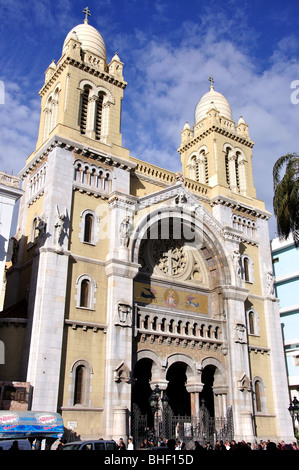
<point>179,398</point>
<point>141,391</point>
<point>207,396</point>
<point>176,376</point>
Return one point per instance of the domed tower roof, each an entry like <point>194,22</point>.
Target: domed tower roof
<point>90,39</point>
<point>220,102</point>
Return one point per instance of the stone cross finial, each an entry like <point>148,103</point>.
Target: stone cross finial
<point>86,11</point>
<point>211,80</point>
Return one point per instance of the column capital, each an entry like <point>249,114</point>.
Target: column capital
<point>116,267</point>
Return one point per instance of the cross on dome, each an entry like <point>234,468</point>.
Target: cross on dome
<point>86,11</point>
<point>211,80</point>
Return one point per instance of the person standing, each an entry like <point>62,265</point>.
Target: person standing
<point>130,444</point>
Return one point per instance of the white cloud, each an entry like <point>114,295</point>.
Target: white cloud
<point>19,121</point>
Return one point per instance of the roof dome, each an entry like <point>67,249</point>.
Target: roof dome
<point>90,39</point>
<point>220,102</point>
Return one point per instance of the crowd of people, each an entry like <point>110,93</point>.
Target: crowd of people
<point>220,445</point>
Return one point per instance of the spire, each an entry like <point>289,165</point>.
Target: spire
<point>86,11</point>
<point>211,80</point>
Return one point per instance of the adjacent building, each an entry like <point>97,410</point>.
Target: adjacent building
<point>10,192</point>
<point>285,258</point>
<point>138,279</point>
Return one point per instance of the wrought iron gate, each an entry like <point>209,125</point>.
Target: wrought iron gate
<point>202,428</point>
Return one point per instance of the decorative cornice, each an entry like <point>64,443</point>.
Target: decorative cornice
<point>79,149</point>
<point>86,325</point>
<point>219,130</point>
<point>63,63</point>
<point>241,207</point>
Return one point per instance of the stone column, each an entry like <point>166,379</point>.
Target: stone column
<point>91,116</point>
<point>242,176</point>
<point>118,348</point>
<point>194,389</point>
<point>232,171</point>
<point>48,284</point>
<point>121,273</point>
<point>238,359</point>
<point>201,169</point>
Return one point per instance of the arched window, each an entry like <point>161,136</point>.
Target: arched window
<point>259,395</point>
<point>99,116</point>
<point>89,227</point>
<point>227,167</point>
<point>193,172</point>
<point>247,268</point>
<point>79,385</point>
<point>252,322</point>
<point>33,232</point>
<point>51,112</point>
<point>85,292</point>
<point>198,166</point>
<point>257,391</point>
<point>94,110</point>
<point>81,373</point>
<point>84,108</point>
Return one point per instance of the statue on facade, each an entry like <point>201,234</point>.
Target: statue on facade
<point>125,231</point>
<point>59,227</point>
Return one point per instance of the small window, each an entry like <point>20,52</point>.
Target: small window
<point>257,391</point>
<point>252,322</point>
<point>259,395</point>
<point>85,293</point>
<point>86,289</point>
<point>88,228</point>
<point>79,385</point>
<point>81,373</point>
<point>247,268</point>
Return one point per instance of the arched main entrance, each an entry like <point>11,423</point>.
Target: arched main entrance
<point>178,322</point>
<point>177,420</point>
<point>179,398</point>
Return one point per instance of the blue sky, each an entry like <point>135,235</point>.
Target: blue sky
<point>169,49</point>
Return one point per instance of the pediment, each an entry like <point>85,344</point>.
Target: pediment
<point>178,196</point>
<point>175,194</point>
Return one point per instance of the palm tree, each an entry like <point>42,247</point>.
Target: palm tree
<point>286,196</point>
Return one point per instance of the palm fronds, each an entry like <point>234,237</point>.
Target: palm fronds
<point>286,196</point>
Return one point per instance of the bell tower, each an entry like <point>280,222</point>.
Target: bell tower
<point>82,94</point>
<point>217,152</point>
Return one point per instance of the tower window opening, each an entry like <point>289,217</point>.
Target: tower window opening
<point>237,173</point>
<point>227,168</point>
<point>206,170</point>
<point>246,269</point>
<point>99,116</point>
<point>84,109</point>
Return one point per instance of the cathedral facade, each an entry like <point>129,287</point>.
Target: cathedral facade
<point>136,278</point>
